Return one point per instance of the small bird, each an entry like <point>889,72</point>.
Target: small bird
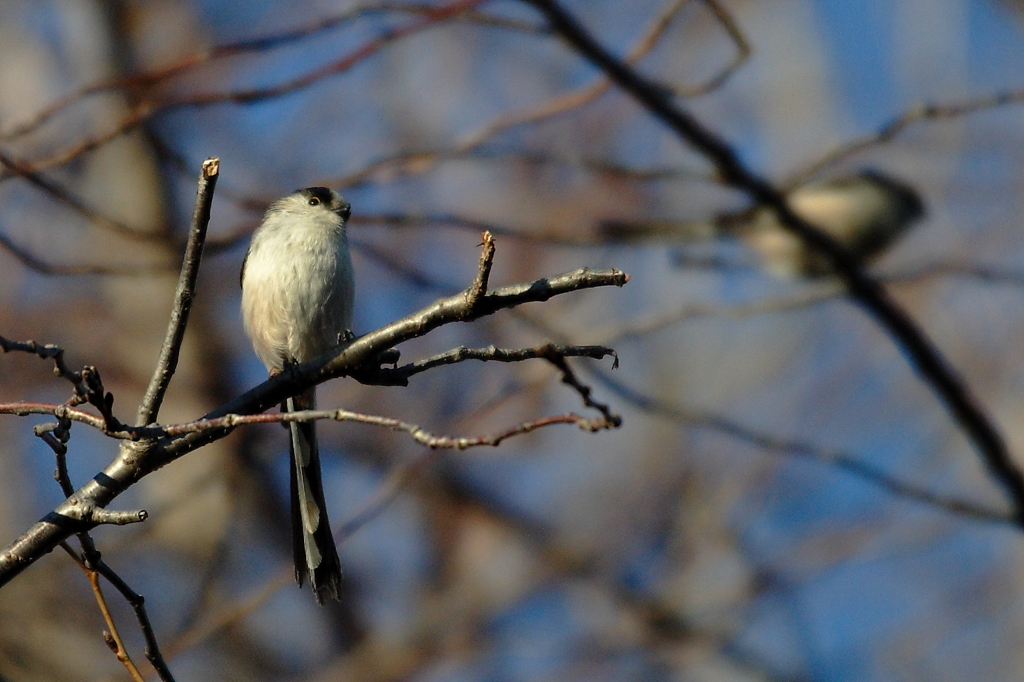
<point>866,213</point>
<point>297,296</point>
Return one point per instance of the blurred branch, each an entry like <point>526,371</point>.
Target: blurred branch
<point>149,79</point>
<point>933,367</point>
<point>577,98</point>
<point>403,164</point>
<point>145,109</point>
<point>834,458</point>
<point>184,295</point>
<point>18,168</point>
<point>806,297</point>
<point>895,127</point>
<point>983,273</point>
<point>410,163</point>
<point>739,40</point>
<point>32,262</point>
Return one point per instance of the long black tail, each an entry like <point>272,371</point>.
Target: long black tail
<point>313,549</point>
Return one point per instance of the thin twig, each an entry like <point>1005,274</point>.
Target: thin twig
<point>145,109</point>
<point>895,127</point>
<point>576,98</point>
<point>805,298</point>
<point>138,604</point>
<point>569,379</point>
<point>924,356</point>
<point>418,433</point>
<point>111,636</point>
<point>400,375</point>
<point>184,295</point>
<point>840,460</point>
<point>24,409</point>
<point>739,40</point>
<point>148,79</point>
<point>47,352</point>
<point>479,287</point>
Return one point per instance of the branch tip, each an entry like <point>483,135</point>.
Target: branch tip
<point>211,167</point>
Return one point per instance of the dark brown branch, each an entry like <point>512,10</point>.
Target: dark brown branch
<point>184,295</point>
<point>924,356</point>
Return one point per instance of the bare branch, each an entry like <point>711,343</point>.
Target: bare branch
<point>926,358</point>
<point>183,295</point>
<point>399,376</point>
<point>576,98</point>
<point>743,52</point>
<point>892,129</point>
<point>418,433</point>
<point>24,170</point>
<point>479,288</point>
<point>47,352</point>
<point>36,264</point>
<point>149,79</point>
<point>23,409</point>
<point>92,565</point>
<point>111,636</point>
<point>146,108</point>
<point>805,298</point>
<point>840,460</point>
<point>138,459</point>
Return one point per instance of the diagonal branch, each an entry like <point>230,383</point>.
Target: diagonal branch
<point>924,356</point>
<point>842,461</point>
<point>184,295</point>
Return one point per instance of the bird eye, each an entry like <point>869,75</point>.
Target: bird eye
<point>313,201</point>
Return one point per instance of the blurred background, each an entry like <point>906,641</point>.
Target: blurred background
<point>785,500</point>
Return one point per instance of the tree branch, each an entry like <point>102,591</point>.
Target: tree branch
<point>139,458</point>
<point>184,295</point>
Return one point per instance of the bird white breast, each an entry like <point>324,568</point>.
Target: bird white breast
<point>297,288</point>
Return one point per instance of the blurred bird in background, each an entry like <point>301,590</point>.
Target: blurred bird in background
<point>866,213</point>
